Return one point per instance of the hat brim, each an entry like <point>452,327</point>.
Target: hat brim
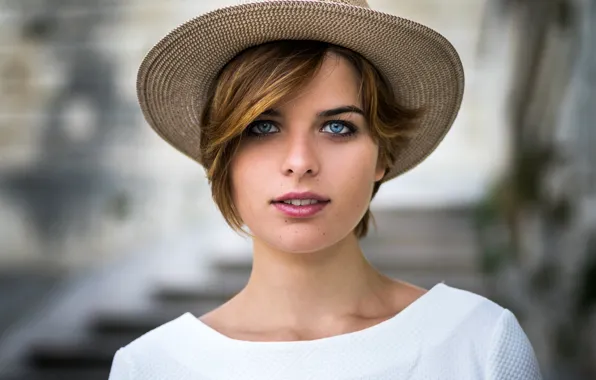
<point>421,65</point>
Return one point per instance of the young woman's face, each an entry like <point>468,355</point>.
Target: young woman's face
<point>314,152</point>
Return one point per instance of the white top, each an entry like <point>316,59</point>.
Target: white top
<point>447,333</point>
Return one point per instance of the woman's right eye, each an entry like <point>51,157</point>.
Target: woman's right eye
<point>262,127</point>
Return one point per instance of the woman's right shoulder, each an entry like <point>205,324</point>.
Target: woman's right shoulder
<point>162,336</point>
<point>155,346</point>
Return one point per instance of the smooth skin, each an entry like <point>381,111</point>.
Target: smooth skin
<point>309,278</point>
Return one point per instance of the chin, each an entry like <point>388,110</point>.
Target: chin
<point>301,247</point>
<point>303,239</point>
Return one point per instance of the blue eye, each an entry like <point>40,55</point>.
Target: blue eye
<point>338,128</point>
<point>262,127</point>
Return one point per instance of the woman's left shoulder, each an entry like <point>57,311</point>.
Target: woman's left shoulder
<point>463,303</point>
<point>454,312</point>
<point>476,321</point>
<point>510,352</point>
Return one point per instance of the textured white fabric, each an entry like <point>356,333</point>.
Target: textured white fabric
<point>448,333</point>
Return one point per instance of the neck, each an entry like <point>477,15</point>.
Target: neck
<point>305,288</point>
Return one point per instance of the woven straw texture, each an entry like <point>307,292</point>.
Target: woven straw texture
<point>422,66</point>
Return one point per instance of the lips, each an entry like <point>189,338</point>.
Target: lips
<point>300,202</point>
<point>306,196</point>
<point>305,211</point>
<point>301,205</point>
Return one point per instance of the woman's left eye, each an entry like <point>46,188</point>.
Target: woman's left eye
<point>338,128</point>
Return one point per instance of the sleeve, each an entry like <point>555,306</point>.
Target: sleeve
<point>121,366</point>
<point>511,356</point>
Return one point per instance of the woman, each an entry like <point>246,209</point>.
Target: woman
<point>299,111</point>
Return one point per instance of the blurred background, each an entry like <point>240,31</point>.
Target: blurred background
<point>107,232</point>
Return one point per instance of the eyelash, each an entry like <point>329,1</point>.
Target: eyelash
<point>351,127</point>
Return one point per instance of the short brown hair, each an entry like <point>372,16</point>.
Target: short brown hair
<point>258,78</point>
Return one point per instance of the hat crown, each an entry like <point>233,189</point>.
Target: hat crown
<point>357,3</point>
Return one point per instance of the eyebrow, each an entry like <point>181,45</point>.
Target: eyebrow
<point>326,113</point>
<point>340,110</point>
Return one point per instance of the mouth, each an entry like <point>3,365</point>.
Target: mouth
<point>300,205</point>
<point>301,199</point>
<point>301,202</point>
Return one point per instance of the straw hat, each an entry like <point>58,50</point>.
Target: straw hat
<point>421,65</point>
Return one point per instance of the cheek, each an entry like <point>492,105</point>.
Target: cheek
<point>248,171</point>
<point>352,176</point>
<point>356,167</point>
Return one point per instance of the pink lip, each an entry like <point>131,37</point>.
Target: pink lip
<point>300,211</point>
<point>305,195</point>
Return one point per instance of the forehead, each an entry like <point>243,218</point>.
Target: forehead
<point>337,83</point>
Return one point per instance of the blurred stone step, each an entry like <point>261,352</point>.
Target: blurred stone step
<point>203,296</point>
<point>410,235</point>
<point>75,374</point>
<point>132,324</point>
<point>108,343</point>
<point>421,252</point>
<point>117,328</point>
<point>21,289</point>
<point>445,263</point>
<point>92,355</point>
<point>118,340</point>
<point>431,225</point>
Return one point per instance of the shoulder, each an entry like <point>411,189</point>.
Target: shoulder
<point>458,311</point>
<point>476,324</point>
<point>163,337</point>
<point>511,355</point>
<point>154,352</point>
<point>464,309</point>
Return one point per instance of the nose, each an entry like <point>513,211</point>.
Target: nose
<point>301,157</point>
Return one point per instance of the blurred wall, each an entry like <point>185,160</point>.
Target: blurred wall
<point>81,176</point>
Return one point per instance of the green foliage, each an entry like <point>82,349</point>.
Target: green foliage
<point>528,172</point>
<point>493,235</point>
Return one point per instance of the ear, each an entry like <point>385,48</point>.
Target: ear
<point>380,172</point>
